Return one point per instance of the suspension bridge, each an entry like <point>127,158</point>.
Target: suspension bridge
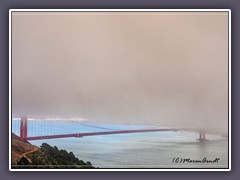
<point>106,131</point>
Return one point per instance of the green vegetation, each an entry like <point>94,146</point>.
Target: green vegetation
<point>51,157</point>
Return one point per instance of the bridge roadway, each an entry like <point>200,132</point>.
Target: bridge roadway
<point>103,133</point>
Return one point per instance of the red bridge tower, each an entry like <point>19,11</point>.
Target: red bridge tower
<point>23,127</point>
<point>202,136</point>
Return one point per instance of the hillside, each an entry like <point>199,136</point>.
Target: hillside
<point>26,155</point>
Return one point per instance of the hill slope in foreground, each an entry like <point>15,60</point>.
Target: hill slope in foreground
<point>26,155</point>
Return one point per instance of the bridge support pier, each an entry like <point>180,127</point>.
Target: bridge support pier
<point>202,136</point>
<point>23,127</point>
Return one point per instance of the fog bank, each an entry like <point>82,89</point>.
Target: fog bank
<point>159,69</point>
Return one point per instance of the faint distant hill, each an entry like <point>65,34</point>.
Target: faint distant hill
<point>26,155</point>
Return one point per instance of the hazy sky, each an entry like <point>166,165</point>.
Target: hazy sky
<point>120,67</point>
